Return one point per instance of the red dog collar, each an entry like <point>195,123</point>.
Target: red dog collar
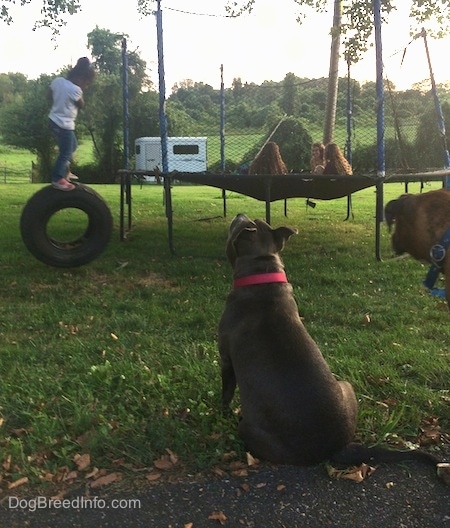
<point>260,278</point>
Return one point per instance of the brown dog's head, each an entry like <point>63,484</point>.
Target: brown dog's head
<point>396,208</point>
<point>398,212</point>
<point>255,238</point>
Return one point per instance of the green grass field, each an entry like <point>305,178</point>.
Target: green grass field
<point>118,359</point>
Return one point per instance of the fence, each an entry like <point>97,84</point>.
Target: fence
<point>9,175</point>
<point>238,119</point>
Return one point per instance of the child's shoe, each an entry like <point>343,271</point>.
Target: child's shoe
<point>63,185</point>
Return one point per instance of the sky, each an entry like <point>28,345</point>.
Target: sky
<point>198,38</point>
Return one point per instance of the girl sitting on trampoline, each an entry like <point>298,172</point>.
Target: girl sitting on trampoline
<point>268,161</point>
<point>335,161</point>
<point>317,162</point>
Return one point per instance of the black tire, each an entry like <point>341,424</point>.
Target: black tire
<point>66,254</point>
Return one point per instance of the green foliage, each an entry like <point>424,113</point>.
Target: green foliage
<point>24,123</point>
<point>52,12</point>
<point>251,113</point>
<point>294,142</point>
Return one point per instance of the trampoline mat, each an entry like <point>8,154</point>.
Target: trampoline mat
<point>279,187</point>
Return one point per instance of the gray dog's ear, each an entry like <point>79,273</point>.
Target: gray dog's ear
<point>281,235</point>
<point>237,232</point>
<point>242,232</point>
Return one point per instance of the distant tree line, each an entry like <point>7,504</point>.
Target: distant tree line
<point>193,109</point>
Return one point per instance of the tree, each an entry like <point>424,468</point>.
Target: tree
<point>12,87</point>
<point>53,12</point>
<point>289,99</point>
<point>333,76</point>
<point>24,109</point>
<point>24,123</point>
<point>357,17</point>
<point>355,20</point>
<point>104,105</point>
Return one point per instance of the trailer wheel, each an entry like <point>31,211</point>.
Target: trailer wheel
<point>61,244</point>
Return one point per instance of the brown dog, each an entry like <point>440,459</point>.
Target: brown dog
<point>294,411</point>
<point>421,221</point>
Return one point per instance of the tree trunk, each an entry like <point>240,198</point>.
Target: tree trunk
<point>333,76</point>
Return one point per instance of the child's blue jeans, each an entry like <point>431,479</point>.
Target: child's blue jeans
<point>67,145</point>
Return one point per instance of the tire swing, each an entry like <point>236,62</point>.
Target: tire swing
<point>66,249</point>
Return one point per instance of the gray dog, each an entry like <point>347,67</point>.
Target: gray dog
<point>294,411</point>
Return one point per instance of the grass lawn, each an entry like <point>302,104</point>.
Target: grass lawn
<point>118,359</point>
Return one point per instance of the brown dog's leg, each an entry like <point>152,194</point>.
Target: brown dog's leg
<point>446,270</point>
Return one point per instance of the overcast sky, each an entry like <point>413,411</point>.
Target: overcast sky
<point>198,38</point>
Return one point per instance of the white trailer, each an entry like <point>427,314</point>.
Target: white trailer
<point>184,154</point>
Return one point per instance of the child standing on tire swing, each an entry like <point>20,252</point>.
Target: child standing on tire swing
<point>66,96</point>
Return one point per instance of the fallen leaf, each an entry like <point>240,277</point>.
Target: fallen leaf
<point>7,463</point>
<point>93,473</point>
<point>430,431</point>
<point>443,472</point>
<point>106,480</point>
<point>238,464</point>
<point>153,476</point>
<point>251,460</point>
<point>17,483</point>
<point>82,461</point>
<point>357,473</point>
<point>163,463</point>
<point>189,525</point>
<point>218,516</point>
<point>281,487</point>
<point>245,487</point>
<point>172,457</point>
<point>122,265</point>
<point>20,432</point>
<point>219,472</point>
<point>61,474</point>
<point>230,455</point>
<point>60,495</point>
<point>114,336</point>
<point>240,473</point>
<point>366,319</point>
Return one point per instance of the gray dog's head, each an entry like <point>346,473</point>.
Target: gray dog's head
<point>255,238</point>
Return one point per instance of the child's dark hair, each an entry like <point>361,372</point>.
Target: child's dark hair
<point>82,70</point>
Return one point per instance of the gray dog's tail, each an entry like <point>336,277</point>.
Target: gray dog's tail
<point>356,454</point>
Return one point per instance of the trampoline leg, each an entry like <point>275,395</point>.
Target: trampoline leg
<point>169,211</point>
<point>125,198</point>
<point>121,211</point>
<point>378,219</point>
<point>128,198</point>
<point>267,185</point>
<point>349,207</point>
<point>224,199</point>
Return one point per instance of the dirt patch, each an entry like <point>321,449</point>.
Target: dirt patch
<point>156,280</point>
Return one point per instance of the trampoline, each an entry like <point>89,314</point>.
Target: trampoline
<point>269,189</point>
